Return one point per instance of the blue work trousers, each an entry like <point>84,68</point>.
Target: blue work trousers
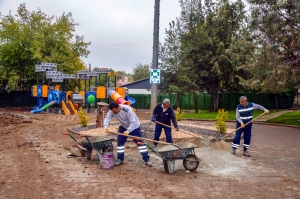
<point>168,133</point>
<point>122,139</point>
<point>247,138</point>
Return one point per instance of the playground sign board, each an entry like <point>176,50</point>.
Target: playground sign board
<point>42,67</point>
<point>155,76</point>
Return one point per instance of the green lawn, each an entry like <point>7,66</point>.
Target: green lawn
<point>205,115</point>
<point>291,118</point>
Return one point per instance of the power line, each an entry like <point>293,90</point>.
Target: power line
<point>125,44</point>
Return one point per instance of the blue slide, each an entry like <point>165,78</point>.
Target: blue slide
<point>44,107</point>
<point>130,99</point>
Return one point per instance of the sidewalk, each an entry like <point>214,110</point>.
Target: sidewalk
<point>273,115</point>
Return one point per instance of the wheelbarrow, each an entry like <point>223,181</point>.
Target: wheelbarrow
<point>184,151</point>
<point>103,146</point>
<point>99,142</point>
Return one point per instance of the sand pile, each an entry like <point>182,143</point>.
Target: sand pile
<point>219,162</point>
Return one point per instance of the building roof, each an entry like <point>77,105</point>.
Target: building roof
<point>139,84</point>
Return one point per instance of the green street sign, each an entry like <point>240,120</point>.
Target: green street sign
<point>155,76</point>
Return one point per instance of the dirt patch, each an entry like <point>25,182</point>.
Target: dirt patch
<point>35,164</point>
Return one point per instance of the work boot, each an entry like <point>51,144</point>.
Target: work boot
<point>233,151</point>
<point>246,153</point>
<point>149,164</point>
<point>118,162</point>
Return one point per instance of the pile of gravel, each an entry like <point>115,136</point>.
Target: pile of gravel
<point>149,128</point>
<point>82,128</point>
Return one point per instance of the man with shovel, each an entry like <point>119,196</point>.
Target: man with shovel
<point>130,125</point>
<point>244,114</point>
<point>163,113</point>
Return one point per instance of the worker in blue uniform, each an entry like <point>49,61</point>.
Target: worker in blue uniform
<point>244,114</point>
<point>164,113</point>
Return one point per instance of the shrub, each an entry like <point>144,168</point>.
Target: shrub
<point>83,117</point>
<point>134,110</point>
<point>178,115</point>
<point>220,121</point>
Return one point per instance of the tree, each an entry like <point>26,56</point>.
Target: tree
<point>28,38</point>
<point>140,71</point>
<point>277,23</point>
<point>271,43</point>
<point>174,75</point>
<point>191,17</point>
<point>207,51</point>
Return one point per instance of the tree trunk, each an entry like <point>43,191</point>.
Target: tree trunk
<point>178,101</point>
<point>195,102</point>
<point>216,100</point>
<point>276,101</point>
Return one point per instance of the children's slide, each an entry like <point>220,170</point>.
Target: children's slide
<point>130,99</point>
<point>73,107</point>
<point>44,107</point>
<point>65,108</point>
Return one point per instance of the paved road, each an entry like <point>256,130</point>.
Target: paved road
<point>278,147</point>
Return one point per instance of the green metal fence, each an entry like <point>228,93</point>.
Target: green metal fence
<point>17,99</point>
<point>228,101</point>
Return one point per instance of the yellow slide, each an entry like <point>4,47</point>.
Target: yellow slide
<point>73,108</point>
<point>64,108</point>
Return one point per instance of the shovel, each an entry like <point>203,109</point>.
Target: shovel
<point>175,129</point>
<point>225,136</point>
<point>140,138</point>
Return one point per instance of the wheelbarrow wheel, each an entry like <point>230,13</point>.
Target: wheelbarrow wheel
<point>191,162</point>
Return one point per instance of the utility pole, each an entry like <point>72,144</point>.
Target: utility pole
<point>155,54</point>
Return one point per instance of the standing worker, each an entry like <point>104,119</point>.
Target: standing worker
<point>164,113</point>
<point>130,125</point>
<point>244,114</point>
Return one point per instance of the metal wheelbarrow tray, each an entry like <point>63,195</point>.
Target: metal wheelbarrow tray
<point>171,153</point>
<point>100,142</point>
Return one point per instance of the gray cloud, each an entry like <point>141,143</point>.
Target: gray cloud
<point>120,31</point>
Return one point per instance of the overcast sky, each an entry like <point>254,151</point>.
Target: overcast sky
<point>120,31</point>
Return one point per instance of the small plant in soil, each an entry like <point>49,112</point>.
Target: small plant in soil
<point>83,117</point>
<point>178,114</point>
<point>220,121</point>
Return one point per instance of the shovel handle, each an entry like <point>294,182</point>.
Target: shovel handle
<point>175,128</point>
<point>241,127</point>
<point>136,137</point>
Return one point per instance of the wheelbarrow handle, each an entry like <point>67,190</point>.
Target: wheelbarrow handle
<point>86,137</point>
<point>79,144</point>
<point>66,133</point>
<point>136,137</point>
<point>152,149</point>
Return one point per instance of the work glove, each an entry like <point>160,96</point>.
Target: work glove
<point>153,119</point>
<point>125,133</point>
<point>176,128</point>
<point>266,111</point>
<point>242,125</point>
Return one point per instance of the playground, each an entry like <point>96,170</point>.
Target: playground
<point>35,164</point>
